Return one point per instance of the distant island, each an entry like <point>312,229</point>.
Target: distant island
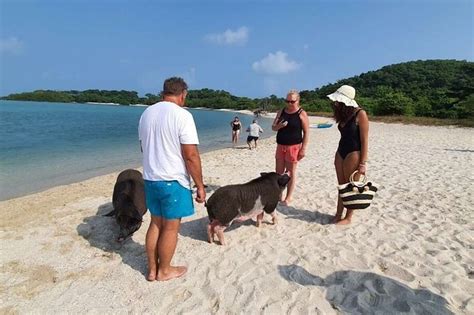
<point>432,88</point>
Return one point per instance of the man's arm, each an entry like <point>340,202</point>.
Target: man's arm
<point>193,165</point>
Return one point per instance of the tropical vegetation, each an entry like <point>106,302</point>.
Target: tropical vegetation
<point>431,88</point>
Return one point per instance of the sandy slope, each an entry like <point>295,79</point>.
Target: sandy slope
<point>410,252</point>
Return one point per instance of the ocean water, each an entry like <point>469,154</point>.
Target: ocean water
<point>48,144</point>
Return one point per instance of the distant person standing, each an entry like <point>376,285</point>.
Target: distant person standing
<point>352,152</point>
<point>169,140</point>
<point>254,131</point>
<point>236,126</point>
<point>292,126</point>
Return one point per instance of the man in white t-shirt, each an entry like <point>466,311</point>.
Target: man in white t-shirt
<point>169,140</point>
<point>254,131</point>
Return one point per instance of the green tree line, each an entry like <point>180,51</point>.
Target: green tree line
<point>431,88</point>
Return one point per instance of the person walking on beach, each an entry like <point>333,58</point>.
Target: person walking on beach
<point>254,131</point>
<point>169,140</point>
<point>351,154</point>
<point>292,125</point>
<point>235,125</point>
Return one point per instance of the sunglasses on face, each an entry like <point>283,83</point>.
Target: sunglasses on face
<point>290,101</point>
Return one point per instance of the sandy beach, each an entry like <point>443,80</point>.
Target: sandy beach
<point>411,252</point>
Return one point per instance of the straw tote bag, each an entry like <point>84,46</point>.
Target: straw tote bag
<point>357,194</point>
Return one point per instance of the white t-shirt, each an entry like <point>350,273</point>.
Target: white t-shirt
<point>163,127</point>
<point>254,130</point>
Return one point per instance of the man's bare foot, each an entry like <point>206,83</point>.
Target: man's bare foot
<point>343,222</point>
<point>171,273</point>
<point>286,202</point>
<point>151,276</point>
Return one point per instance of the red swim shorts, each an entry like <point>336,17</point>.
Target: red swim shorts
<point>288,153</point>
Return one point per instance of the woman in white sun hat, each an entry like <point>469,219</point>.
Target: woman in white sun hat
<point>351,154</point>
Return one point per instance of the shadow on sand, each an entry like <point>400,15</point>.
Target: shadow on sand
<point>460,150</point>
<point>368,293</point>
<point>305,215</point>
<point>101,232</point>
<point>197,229</point>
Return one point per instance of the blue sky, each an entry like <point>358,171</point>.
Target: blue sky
<point>249,48</point>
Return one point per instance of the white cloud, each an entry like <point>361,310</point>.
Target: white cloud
<point>11,45</point>
<point>276,63</point>
<point>230,37</point>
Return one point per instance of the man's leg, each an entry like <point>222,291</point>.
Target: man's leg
<point>166,247</point>
<point>151,243</point>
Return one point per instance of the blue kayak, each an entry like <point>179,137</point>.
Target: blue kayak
<point>322,125</point>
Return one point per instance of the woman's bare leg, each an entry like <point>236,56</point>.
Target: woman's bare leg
<point>349,165</point>
<point>291,168</point>
<point>338,164</point>
<point>280,169</point>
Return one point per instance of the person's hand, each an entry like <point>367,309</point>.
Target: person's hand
<point>301,154</point>
<point>282,124</point>
<point>362,169</point>
<point>200,195</point>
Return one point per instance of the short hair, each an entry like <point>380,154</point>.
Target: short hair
<point>174,86</point>
<point>293,92</point>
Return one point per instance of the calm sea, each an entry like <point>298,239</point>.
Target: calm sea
<point>48,144</point>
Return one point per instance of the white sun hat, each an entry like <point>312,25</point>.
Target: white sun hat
<point>345,94</point>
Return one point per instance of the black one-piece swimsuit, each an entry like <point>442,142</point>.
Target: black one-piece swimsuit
<point>350,137</point>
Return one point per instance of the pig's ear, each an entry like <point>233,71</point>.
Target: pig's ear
<point>263,174</point>
<point>283,180</point>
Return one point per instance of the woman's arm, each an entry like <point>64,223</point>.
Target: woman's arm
<point>276,124</point>
<point>305,125</point>
<point>364,140</point>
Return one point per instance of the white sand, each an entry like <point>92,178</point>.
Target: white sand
<point>412,251</point>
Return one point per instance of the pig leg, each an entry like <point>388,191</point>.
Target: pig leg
<point>210,233</point>
<point>219,229</point>
<point>211,230</point>
<point>259,219</point>
<point>274,218</point>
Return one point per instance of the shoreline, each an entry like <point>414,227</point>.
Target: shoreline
<point>16,184</point>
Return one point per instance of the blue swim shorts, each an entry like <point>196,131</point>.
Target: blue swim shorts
<point>168,199</point>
